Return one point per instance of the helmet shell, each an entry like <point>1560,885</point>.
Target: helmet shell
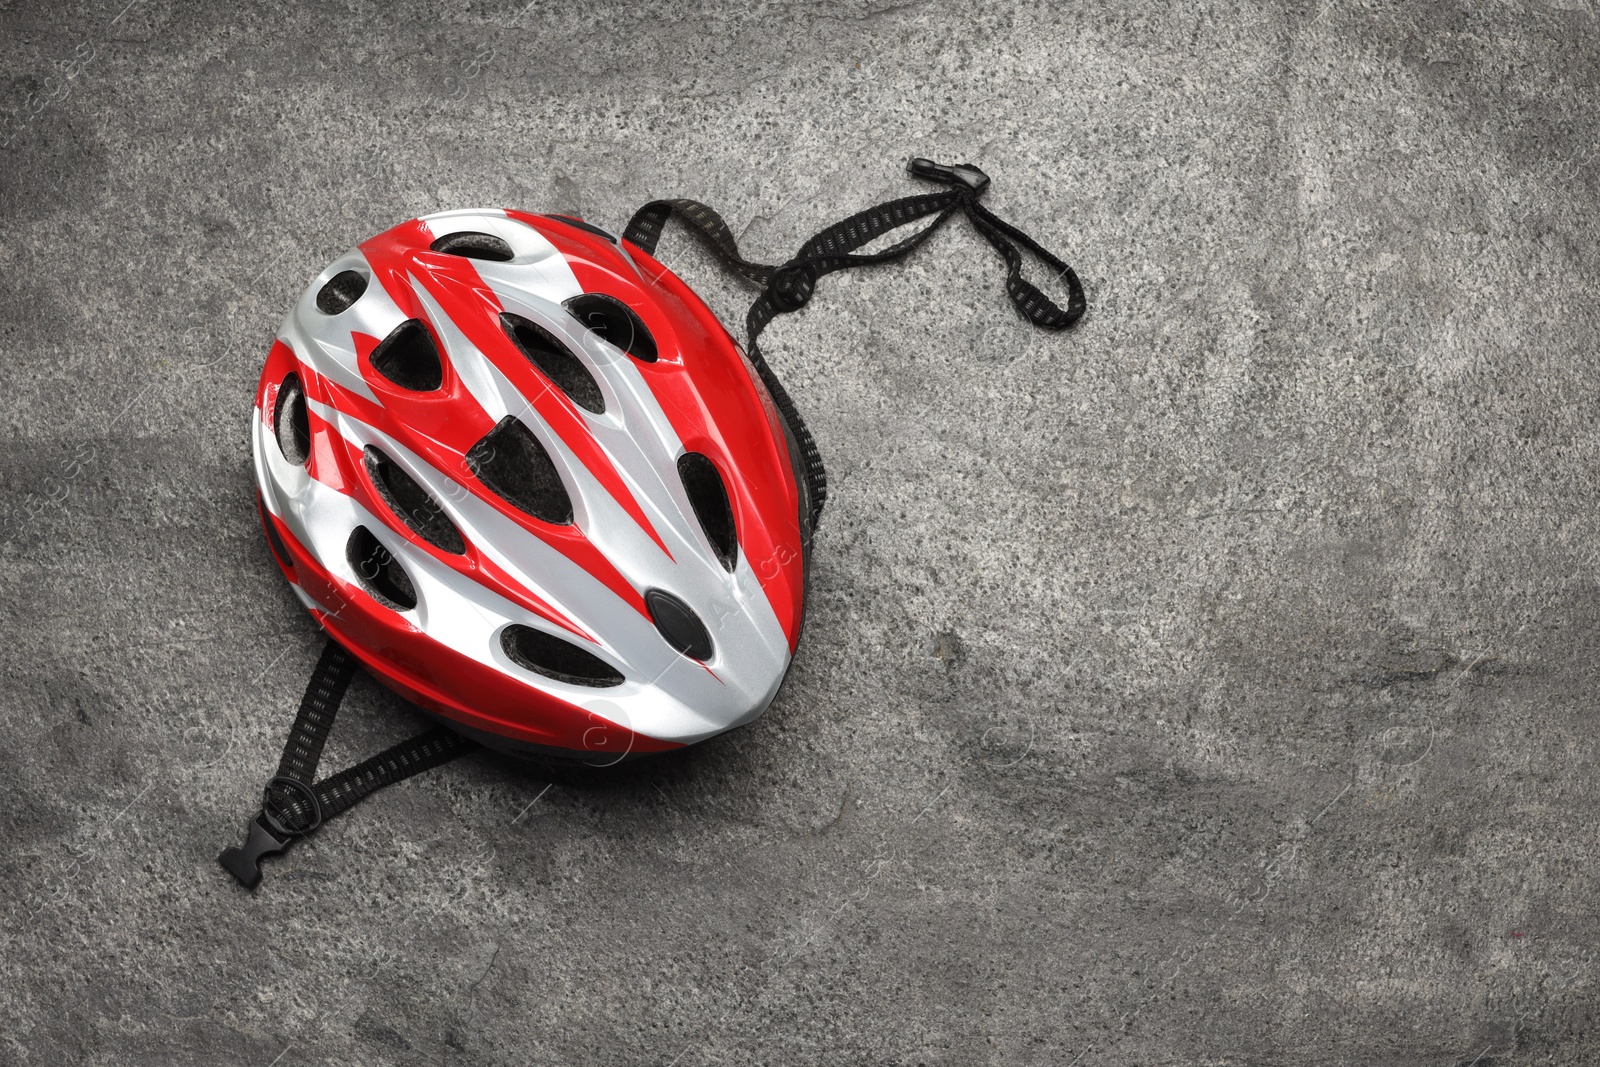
<point>660,607</point>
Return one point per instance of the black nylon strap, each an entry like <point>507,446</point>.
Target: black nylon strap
<point>644,230</point>
<point>294,804</point>
<point>1025,296</point>
<point>324,693</point>
<point>790,286</point>
<point>394,764</point>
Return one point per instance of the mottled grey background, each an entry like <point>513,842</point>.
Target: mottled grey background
<point>1212,684</point>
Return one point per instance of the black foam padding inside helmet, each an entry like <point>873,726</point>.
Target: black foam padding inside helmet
<point>512,463</point>
<point>340,291</point>
<point>473,245</point>
<point>545,351</point>
<point>290,422</point>
<point>418,510</point>
<point>379,572</point>
<point>708,495</point>
<point>409,358</point>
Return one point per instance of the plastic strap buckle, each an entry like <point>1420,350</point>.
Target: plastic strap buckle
<point>960,174</point>
<point>268,834</point>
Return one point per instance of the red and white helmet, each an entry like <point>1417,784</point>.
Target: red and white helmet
<point>520,471</point>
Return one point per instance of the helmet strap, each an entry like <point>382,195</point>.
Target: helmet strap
<point>789,286</point>
<point>294,804</point>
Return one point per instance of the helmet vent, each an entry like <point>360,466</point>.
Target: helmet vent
<point>411,502</point>
<point>512,462</point>
<point>558,364</point>
<point>679,624</point>
<point>290,422</point>
<point>280,551</point>
<point>709,497</point>
<point>409,358</point>
<point>473,245</point>
<point>615,323</point>
<point>556,658</point>
<point>340,291</point>
<point>379,572</point>
<point>589,227</point>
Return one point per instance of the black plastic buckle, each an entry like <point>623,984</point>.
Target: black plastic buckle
<point>960,174</point>
<point>267,834</point>
<point>245,863</point>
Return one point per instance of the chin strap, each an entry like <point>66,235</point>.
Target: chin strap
<point>789,286</point>
<point>294,803</point>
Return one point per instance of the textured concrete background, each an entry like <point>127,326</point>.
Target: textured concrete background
<point>1212,684</point>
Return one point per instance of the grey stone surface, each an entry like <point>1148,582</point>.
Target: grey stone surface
<point>1210,685</point>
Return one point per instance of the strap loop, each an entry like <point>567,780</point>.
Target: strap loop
<point>790,287</point>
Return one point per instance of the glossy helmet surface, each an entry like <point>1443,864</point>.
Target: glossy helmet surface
<point>523,474</point>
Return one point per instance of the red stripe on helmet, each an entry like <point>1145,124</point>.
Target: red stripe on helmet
<point>473,564</point>
<point>337,463</point>
<point>280,363</point>
<point>439,427</point>
<point>325,390</point>
<point>713,400</point>
<point>463,295</point>
<point>422,670</point>
<point>328,462</point>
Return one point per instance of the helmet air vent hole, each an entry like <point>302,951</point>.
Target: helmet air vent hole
<point>412,504</point>
<point>556,658</point>
<point>555,360</point>
<point>709,497</point>
<point>409,358</point>
<point>280,551</point>
<point>290,422</point>
<point>678,623</point>
<point>379,572</point>
<point>589,227</point>
<point>512,463</point>
<point>473,245</point>
<point>340,291</point>
<point>615,323</point>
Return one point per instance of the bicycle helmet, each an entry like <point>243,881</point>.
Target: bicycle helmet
<point>519,472</point>
<point>527,479</point>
